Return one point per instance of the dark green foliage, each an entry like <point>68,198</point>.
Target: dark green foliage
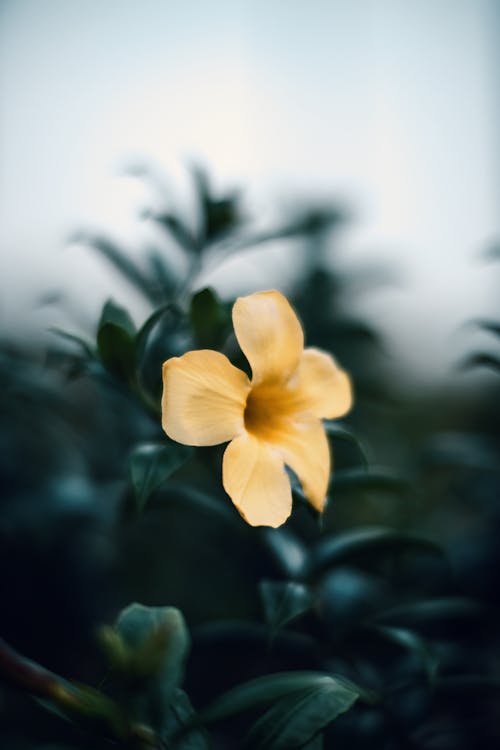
<point>284,602</point>
<point>115,341</point>
<point>151,464</point>
<point>293,721</point>
<point>150,650</point>
<point>265,691</point>
<point>373,626</point>
<point>210,319</point>
<point>362,543</point>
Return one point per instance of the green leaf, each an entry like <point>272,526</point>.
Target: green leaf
<point>284,602</point>
<point>220,216</point>
<point>180,729</point>
<point>288,551</point>
<point>339,432</point>
<point>163,274</point>
<point>85,345</point>
<point>266,690</point>
<point>489,325</point>
<point>377,478</point>
<point>210,320</point>
<point>430,610</point>
<point>177,229</point>
<point>360,542</point>
<point>88,708</point>
<point>147,327</point>
<point>481,360</point>
<point>157,642</point>
<point>116,341</point>
<point>118,316</point>
<point>413,643</point>
<point>296,719</point>
<point>121,262</point>
<point>151,464</point>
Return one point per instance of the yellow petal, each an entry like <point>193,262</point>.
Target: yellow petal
<point>253,475</point>
<point>203,398</point>
<point>323,388</point>
<point>304,447</point>
<point>270,335</point>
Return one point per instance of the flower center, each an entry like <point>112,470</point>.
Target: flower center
<point>267,410</point>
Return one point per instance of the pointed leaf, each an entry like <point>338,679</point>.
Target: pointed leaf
<point>360,542</point>
<point>115,341</point>
<point>296,719</point>
<point>169,308</point>
<point>180,729</point>
<point>266,690</point>
<point>412,642</point>
<point>121,262</point>
<point>376,478</point>
<point>284,602</point>
<point>177,229</point>
<point>339,432</point>
<point>85,345</point>
<point>430,610</point>
<point>481,359</point>
<point>151,464</point>
<point>210,319</point>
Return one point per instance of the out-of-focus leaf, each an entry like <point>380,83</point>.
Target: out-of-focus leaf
<point>288,551</point>
<point>489,325</point>
<point>209,318</point>
<point>376,478</point>
<point>176,228</point>
<point>339,432</point>
<point>284,602</point>
<point>203,501</point>
<point>374,541</point>
<point>151,464</point>
<point>163,275</point>
<point>266,690</point>
<point>147,327</point>
<point>492,252</point>
<point>309,222</point>
<point>219,216</point>
<point>413,643</point>
<point>113,314</point>
<point>158,642</point>
<point>481,360</point>
<point>461,450</point>
<point>116,341</point>
<point>355,331</point>
<point>121,262</point>
<point>88,708</point>
<point>429,610</point>
<point>180,729</point>
<point>297,718</point>
<point>85,345</point>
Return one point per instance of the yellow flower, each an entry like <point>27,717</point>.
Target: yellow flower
<point>271,420</point>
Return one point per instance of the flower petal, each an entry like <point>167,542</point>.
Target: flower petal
<point>253,475</point>
<point>324,389</point>
<point>304,447</point>
<point>270,335</point>
<point>204,398</point>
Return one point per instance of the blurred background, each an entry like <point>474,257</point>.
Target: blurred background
<point>346,153</point>
<point>389,107</point>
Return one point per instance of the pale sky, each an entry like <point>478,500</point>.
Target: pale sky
<point>390,105</point>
